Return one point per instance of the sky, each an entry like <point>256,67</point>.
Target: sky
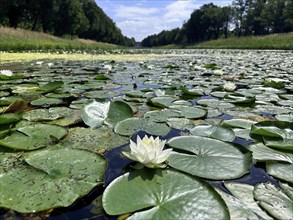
<point>141,18</point>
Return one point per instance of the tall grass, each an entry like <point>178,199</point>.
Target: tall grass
<point>273,41</point>
<point>19,40</point>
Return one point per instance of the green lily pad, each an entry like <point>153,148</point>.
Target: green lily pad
<point>55,178</point>
<point>98,140</point>
<point>209,158</point>
<point>9,118</point>
<point>280,170</point>
<point>130,126</point>
<point>51,86</point>
<point>161,115</point>
<point>160,197</point>
<point>118,111</point>
<point>190,112</point>
<point>238,123</point>
<point>101,77</point>
<point>214,103</point>
<point>195,92</point>
<point>180,123</point>
<point>276,134</point>
<point>33,137</point>
<point>260,152</point>
<point>5,101</point>
<point>162,101</point>
<point>278,203</point>
<point>241,203</point>
<point>214,131</point>
<point>50,114</point>
<point>46,101</point>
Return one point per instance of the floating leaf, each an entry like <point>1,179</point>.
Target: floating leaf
<point>101,77</point>
<point>214,131</point>
<point>180,123</point>
<point>161,115</point>
<point>238,123</point>
<point>195,92</point>
<point>98,140</point>
<point>130,126</point>
<point>46,101</point>
<point>51,86</point>
<point>208,158</point>
<point>190,112</point>
<point>162,101</point>
<point>55,178</point>
<point>118,111</point>
<point>9,118</point>
<point>241,203</point>
<point>160,197</point>
<point>50,114</point>
<point>276,202</point>
<point>276,134</point>
<point>280,170</point>
<point>33,137</point>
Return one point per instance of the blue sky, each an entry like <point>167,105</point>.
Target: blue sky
<point>140,18</point>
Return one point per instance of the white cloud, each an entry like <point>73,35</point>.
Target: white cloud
<point>143,18</point>
<point>179,11</point>
<point>132,12</point>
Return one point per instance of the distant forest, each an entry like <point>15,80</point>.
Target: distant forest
<point>64,18</point>
<point>242,18</point>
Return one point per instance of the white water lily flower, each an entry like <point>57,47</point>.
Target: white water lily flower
<point>229,86</point>
<point>218,72</point>
<point>6,72</point>
<point>148,151</point>
<point>108,67</point>
<point>159,92</point>
<point>39,62</point>
<point>95,113</point>
<point>50,64</point>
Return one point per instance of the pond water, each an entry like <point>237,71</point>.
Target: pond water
<point>241,100</point>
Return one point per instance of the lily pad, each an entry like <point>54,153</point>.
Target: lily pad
<point>33,137</point>
<point>276,134</point>
<point>50,114</point>
<point>46,102</point>
<point>238,123</point>
<point>161,115</point>
<point>209,158</point>
<point>101,77</point>
<point>55,178</point>
<point>118,111</point>
<point>9,118</point>
<point>180,123</point>
<point>241,203</point>
<point>214,131</point>
<point>160,197</point>
<point>130,126</point>
<point>276,202</point>
<point>51,86</point>
<point>162,101</point>
<point>280,170</point>
<point>98,140</point>
<point>190,112</point>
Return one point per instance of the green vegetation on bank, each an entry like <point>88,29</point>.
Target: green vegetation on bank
<point>74,18</point>
<point>19,39</point>
<point>240,19</point>
<point>272,41</point>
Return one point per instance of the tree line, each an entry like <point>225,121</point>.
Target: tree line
<point>64,18</point>
<point>241,18</point>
